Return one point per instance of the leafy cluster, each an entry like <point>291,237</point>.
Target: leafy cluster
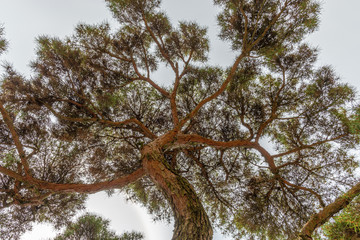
<point>92,227</point>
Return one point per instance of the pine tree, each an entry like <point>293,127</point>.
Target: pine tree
<point>254,149</point>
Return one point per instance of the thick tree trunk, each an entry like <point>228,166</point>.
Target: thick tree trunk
<point>191,220</point>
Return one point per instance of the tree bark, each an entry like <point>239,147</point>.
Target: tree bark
<point>191,220</point>
<point>327,212</point>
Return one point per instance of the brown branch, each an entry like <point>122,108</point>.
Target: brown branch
<point>308,146</point>
<point>145,130</point>
<point>274,108</point>
<point>91,188</point>
<point>186,138</point>
<point>304,189</point>
<point>76,187</point>
<point>148,80</point>
<point>242,119</point>
<point>269,26</point>
<point>162,50</point>
<point>233,69</point>
<point>9,122</point>
<point>258,19</point>
<point>327,212</point>
<point>246,26</point>
<point>176,86</point>
<point>207,177</point>
<point>12,174</point>
<point>214,95</point>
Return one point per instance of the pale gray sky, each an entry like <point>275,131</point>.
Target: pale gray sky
<point>24,20</point>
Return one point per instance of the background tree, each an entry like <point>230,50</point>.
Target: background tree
<point>254,149</point>
<point>92,227</point>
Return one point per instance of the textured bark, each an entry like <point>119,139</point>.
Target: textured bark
<point>191,220</point>
<point>327,212</point>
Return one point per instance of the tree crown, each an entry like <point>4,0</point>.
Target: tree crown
<point>254,149</point>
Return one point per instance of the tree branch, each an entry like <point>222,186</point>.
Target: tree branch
<point>308,146</point>
<point>9,122</point>
<point>215,95</point>
<point>305,189</point>
<point>186,138</point>
<point>145,130</point>
<point>77,187</point>
<point>327,212</point>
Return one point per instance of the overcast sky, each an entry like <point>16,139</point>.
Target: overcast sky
<point>24,20</point>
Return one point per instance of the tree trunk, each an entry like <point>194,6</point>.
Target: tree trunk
<point>191,220</point>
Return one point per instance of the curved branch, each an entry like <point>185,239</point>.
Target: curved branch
<point>19,147</point>
<point>145,130</point>
<point>148,80</point>
<point>90,188</point>
<point>214,95</point>
<point>186,138</point>
<point>305,189</point>
<point>162,50</point>
<point>76,187</point>
<point>327,212</point>
<point>308,146</point>
<point>205,174</point>
<point>274,108</point>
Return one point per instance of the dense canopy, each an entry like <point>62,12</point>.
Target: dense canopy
<point>254,149</point>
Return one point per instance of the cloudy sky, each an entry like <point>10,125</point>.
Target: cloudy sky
<point>338,39</point>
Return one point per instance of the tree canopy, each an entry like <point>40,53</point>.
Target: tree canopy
<point>260,149</point>
<point>92,227</point>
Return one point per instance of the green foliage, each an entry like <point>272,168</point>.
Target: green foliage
<point>346,225</point>
<point>245,23</point>
<point>10,159</point>
<point>92,107</point>
<point>3,42</point>
<point>92,227</point>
